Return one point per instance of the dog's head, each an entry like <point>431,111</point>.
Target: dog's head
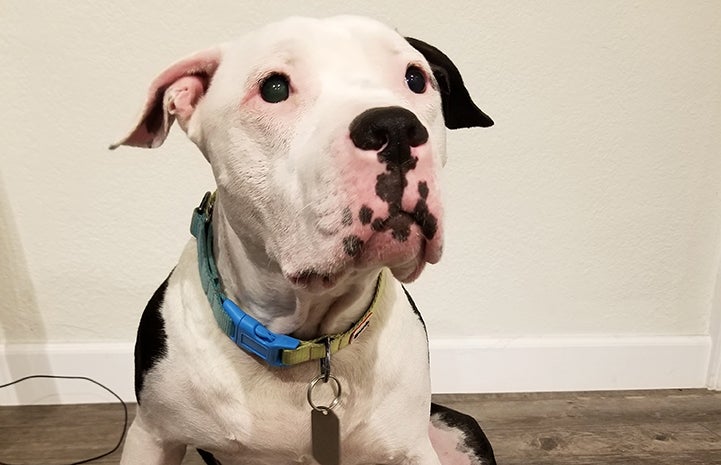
<point>325,137</point>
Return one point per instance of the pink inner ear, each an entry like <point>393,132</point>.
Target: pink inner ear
<point>154,123</point>
<point>182,96</point>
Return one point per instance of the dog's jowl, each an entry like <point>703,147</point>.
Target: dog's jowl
<point>325,138</point>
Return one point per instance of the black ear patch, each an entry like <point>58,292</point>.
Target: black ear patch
<point>459,111</point>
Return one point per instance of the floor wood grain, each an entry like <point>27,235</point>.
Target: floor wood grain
<point>680,427</point>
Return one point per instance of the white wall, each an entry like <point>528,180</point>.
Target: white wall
<point>591,208</point>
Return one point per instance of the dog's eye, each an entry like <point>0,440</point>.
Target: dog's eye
<point>275,88</point>
<point>416,79</point>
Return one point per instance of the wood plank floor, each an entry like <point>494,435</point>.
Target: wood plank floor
<point>680,427</point>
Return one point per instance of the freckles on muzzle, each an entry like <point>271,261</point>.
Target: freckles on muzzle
<point>352,245</point>
<point>397,222</point>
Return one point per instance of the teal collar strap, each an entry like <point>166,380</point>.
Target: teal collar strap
<point>245,331</point>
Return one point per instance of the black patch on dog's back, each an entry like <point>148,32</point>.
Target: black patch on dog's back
<point>415,309</point>
<point>208,457</point>
<point>150,344</point>
<point>475,439</point>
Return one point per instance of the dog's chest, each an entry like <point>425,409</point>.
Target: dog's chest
<point>224,401</point>
<point>284,437</point>
<point>270,422</point>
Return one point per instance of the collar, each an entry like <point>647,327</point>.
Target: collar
<point>247,332</point>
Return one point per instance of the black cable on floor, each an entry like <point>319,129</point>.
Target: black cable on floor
<point>125,410</point>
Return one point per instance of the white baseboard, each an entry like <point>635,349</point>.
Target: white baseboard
<point>569,364</point>
<point>458,366</point>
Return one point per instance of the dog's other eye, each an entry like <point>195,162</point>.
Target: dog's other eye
<point>416,79</point>
<point>275,88</point>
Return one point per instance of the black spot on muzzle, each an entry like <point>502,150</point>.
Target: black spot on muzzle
<point>392,131</point>
<point>352,245</point>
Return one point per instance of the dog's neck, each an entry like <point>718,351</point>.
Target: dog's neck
<point>255,282</point>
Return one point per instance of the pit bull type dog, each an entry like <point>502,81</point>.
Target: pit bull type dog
<point>325,137</point>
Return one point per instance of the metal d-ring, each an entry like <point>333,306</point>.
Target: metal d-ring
<point>336,391</point>
<point>206,206</point>
<point>325,362</point>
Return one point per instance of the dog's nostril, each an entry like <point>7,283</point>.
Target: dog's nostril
<point>380,137</point>
<point>417,135</point>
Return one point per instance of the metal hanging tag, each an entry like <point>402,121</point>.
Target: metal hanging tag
<point>325,426</point>
<point>325,437</point>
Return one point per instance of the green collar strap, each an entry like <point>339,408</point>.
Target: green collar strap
<point>245,331</point>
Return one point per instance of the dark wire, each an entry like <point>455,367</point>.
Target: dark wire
<point>125,410</point>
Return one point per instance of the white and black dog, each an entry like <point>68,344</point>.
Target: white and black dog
<point>325,137</point>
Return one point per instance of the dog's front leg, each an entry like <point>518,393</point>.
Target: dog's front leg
<point>144,448</point>
<point>425,454</point>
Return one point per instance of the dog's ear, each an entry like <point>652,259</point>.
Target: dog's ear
<point>459,111</point>
<point>173,94</point>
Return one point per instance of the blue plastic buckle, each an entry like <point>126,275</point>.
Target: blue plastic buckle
<point>252,336</point>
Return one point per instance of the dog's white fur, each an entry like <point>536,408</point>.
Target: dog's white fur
<point>210,394</point>
<point>287,174</point>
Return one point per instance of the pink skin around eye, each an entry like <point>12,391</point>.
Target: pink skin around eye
<point>254,92</point>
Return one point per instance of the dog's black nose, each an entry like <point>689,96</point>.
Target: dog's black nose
<point>394,127</point>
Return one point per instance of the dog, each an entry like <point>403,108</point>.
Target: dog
<point>325,138</point>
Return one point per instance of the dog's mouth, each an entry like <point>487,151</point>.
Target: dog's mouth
<point>315,280</point>
<point>401,244</point>
<point>405,251</point>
